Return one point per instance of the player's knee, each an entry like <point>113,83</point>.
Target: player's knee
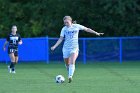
<point>72,62</point>
<point>13,59</point>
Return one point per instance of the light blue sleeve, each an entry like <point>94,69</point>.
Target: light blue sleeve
<point>81,27</point>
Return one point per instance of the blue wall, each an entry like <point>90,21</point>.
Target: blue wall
<point>91,50</point>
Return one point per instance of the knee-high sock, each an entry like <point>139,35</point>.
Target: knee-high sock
<point>12,66</point>
<point>67,67</point>
<point>71,70</point>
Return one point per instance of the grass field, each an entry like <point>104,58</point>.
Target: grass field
<point>89,78</point>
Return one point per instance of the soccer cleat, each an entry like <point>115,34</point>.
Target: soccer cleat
<point>13,72</point>
<point>9,69</point>
<point>70,79</point>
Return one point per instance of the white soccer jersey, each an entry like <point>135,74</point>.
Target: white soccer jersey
<point>71,36</point>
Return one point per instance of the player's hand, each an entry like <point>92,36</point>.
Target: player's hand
<point>99,34</point>
<point>53,48</point>
<point>20,43</point>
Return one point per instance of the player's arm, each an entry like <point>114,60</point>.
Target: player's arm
<point>92,31</point>
<point>5,44</point>
<point>20,40</point>
<point>57,43</point>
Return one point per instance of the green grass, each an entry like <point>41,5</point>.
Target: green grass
<point>89,78</point>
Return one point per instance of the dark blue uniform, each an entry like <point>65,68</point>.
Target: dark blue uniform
<point>13,43</point>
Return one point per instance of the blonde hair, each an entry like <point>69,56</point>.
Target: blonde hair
<point>69,18</point>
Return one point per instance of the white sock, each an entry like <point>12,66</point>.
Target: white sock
<point>71,70</point>
<point>67,67</point>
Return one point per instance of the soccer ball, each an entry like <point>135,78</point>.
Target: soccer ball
<point>59,79</point>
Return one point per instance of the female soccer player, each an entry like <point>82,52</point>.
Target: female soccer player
<point>71,48</point>
<point>13,40</point>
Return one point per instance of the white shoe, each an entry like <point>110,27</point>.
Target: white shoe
<point>13,72</point>
<point>9,69</point>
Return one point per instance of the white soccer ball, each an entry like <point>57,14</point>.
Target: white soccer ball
<point>59,79</point>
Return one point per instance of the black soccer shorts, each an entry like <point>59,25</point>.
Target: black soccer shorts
<point>13,50</point>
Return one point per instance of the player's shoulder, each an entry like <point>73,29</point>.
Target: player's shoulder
<point>9,35</point>
<point>18,34</point>
<point>76,25</point>
<point>63,28</point>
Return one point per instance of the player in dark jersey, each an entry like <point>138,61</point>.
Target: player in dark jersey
<point>13,40</point>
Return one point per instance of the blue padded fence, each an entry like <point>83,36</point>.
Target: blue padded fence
<point>112,49</point>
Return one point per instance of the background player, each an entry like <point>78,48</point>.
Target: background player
<point>71,47</point>
<point>13,40</point>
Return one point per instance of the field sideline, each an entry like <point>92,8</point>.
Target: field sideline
<point>89,78</point>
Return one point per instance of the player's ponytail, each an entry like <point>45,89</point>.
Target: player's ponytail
<point>74,22</point>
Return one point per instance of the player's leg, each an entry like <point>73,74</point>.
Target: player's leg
<point>12,58</point>
<point>66,55</point>
<point>12,65</point>
<point>16,56</point>
<point>66,60</point>
<point>16,59</point>
<point>72,59</point>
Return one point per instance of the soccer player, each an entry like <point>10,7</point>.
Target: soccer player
<point>12,41</point>
<point>71,47</point>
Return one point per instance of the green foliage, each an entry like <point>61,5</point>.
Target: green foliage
<point>36,18</point>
